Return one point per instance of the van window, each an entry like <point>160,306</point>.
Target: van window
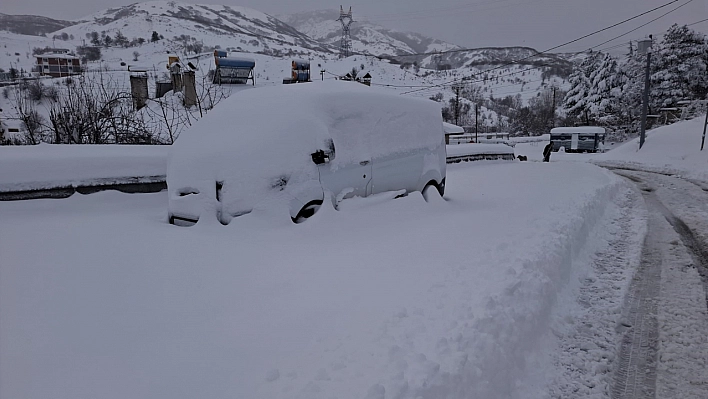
<point>329,149</point>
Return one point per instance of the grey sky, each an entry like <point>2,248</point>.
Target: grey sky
<point>479,23</point>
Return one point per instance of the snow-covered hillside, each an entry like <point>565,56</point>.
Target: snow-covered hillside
<point>225,26</point>
<point>370,38</point>
<point>153,30</point>
<point>367,38</point>
<point>31,24</point>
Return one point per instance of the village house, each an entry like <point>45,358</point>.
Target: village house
<point>58,64</point>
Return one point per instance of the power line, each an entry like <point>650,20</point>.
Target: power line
<point>643,25</point>
<point>625,43</point>
<point>467,79</point>
<point>552,48</point>
<point>569,42</point>
<point>696,23</point>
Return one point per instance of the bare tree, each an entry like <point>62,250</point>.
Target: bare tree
<point>96,109</point>
<point>28,116</point>
<point>167,117</point>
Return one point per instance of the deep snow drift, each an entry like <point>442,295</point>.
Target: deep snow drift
<point>383,298</point>
<point>671,149</point>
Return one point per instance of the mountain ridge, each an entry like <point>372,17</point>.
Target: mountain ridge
<point>242,29</point>
<point>33,25</point>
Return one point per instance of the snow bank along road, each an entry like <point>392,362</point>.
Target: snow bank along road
<point>512,287</point>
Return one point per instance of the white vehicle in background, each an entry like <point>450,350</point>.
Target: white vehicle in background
<point>286,146</point>
<point>578,139</point>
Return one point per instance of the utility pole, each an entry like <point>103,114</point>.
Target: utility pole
<point>553,109</point>
<point>345,46</point>
<point>457,89</point>
<point>645,46</point>
<point>705,125</point>
<point>476,122</point>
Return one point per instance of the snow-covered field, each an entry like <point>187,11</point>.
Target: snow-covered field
<point>397,296</point>
<point>501,290</point>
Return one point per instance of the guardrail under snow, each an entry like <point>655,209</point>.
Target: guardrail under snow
<point>58,171</point>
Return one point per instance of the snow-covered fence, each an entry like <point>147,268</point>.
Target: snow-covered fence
<point>50,171</point>
<point>479,152</point>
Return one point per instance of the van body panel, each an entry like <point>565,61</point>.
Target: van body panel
<point>348,181</point>
<point>397,172</point>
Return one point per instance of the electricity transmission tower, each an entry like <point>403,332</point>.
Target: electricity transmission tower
<point>345,47</point>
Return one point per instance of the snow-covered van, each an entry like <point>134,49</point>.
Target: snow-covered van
<point>285,147</point>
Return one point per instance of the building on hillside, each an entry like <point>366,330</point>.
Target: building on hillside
<point>300,72</point>
<point>58,65</point>
<point>366,79</point>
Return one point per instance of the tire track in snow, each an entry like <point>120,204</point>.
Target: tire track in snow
<point>697,248</point>
<point>664,353</point>
<point>635,374</point>
<point>588,334</point>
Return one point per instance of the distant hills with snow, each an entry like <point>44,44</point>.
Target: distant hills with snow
<point>243,29</point>
<point>31,24</point>
<point>366,37</point>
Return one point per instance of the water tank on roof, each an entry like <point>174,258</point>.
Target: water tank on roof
<point>236,63</point>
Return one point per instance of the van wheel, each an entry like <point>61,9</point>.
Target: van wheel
<point>430,190</point>
<point>307,211</point>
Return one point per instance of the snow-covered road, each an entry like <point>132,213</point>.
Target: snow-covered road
<point>664,352</point>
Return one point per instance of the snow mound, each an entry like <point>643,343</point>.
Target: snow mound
<point>673,149</point>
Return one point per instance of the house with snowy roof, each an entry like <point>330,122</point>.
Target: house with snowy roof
<point>58,64</point>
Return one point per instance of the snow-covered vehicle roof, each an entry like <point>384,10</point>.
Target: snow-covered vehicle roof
<point>449,128</point>
<point>282,122</point>
<point>579,129</point>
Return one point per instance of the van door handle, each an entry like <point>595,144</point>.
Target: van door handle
<point>364,163</point>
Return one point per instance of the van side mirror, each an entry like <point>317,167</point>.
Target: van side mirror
<point>319,157</point>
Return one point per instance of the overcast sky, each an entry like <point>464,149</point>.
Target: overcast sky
<point>480,23</point>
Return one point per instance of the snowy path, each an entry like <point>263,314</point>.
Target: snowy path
<point>585,334</point>
<point>664,350</point>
